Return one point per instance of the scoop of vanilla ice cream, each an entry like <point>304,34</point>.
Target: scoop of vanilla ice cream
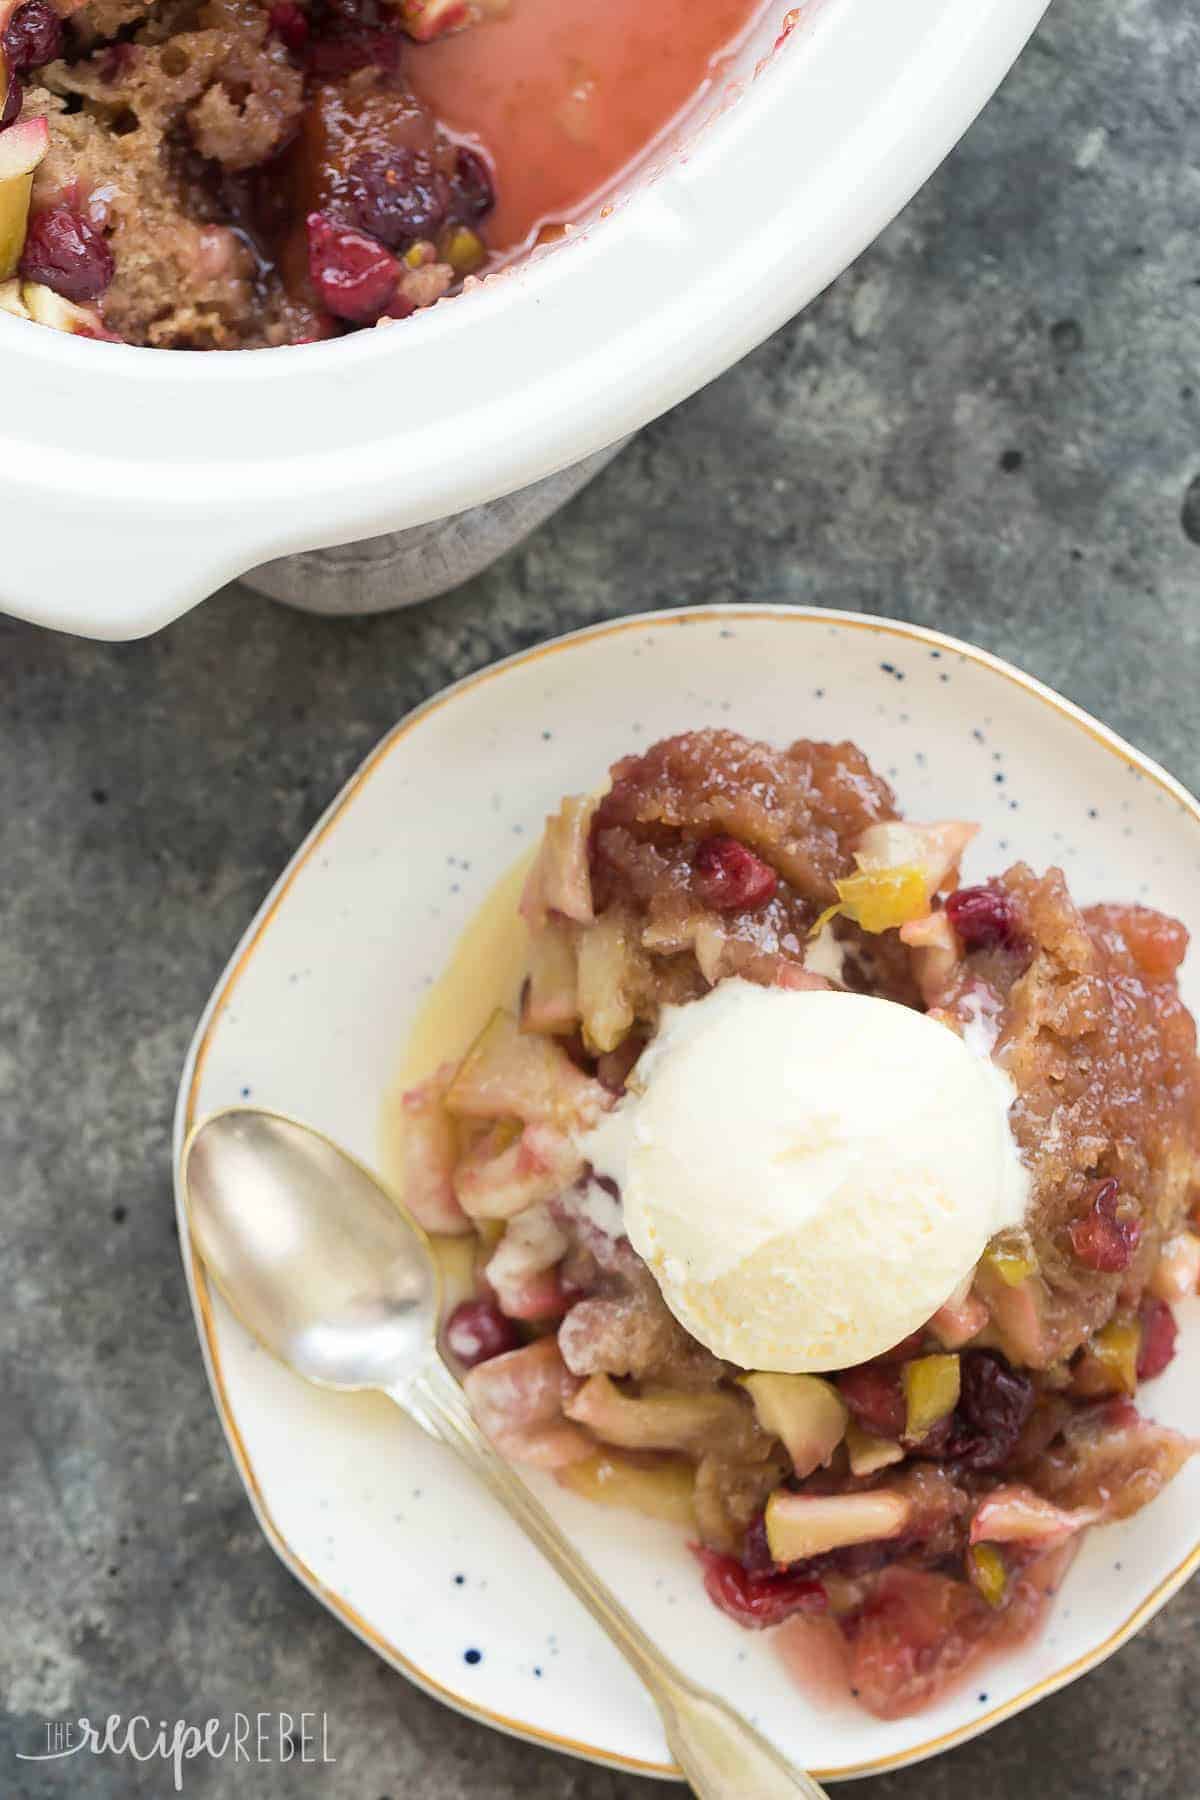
<point>809,1175</point>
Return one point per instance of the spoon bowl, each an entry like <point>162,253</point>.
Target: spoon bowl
<point>329,1272</point>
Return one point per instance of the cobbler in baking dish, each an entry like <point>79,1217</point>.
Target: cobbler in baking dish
<point>233,174</point>
<point>822,1204</point>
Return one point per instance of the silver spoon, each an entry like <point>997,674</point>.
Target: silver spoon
<point>333,1276</point>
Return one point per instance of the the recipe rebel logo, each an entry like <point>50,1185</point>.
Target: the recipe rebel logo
<point>258,1737</point>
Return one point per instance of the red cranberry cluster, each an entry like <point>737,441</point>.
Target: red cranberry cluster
<point>1102,1239</point>
<point>63,249</point>
<point>65,252</point>
<point>730,878</point>
<point>984,917</point>
<point>387,201</point>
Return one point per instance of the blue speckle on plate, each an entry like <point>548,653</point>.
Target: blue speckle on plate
<point>245,1093</point>
<point>983,1699</point>
<point>472,1657</point>
<point>459,1580</point>
<point>537,1671</point>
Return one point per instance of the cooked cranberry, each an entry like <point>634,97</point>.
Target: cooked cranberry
<point>1159,1332</point>
<point>33,36</point>
<point>875,1396</point>
<point>353,274</point>
<point>66,253</point>
<point>757,1601</point>
<point>994,1406</point>
<point>344,51</point>
<point>983,917</point>
<point>1100,1239</point>
<point>397,195</point>
<point>729,877</point>
<point>14,95</point>
<point>477,1330</point>
<point>472,191</point>
<point>290,25</point>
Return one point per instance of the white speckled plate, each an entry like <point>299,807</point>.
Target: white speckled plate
<point>311,1015</point>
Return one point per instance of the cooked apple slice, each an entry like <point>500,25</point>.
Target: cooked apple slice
<point>522,1269</point>
<point>510,1169</point>
<point>22,147</point>
<point>662,1418</point>
<point>427,1152</point>
<point>1015,1514</point>
<point>803,1525</point>
<point>1108,1364</point>
<point>425,20</point>
<point>511,1074</point>
<point>931,1388</point>
<point>550,1001</point>
<point>11,301</point>
<point>604,961</point>
<point>1014,1293</point>
<point>868,1454</point>
<point>808,1414</point>
<point>517,1400</point>
<point>560,880</point>
<point>1112,1458</point>
<point>520,1389</point>
<point>1177,1273</point>
<point>45,307</point>
<point>962,1317</point>
<point>659,1490</point>
<point>988,1573</point>
<point>935,849</point>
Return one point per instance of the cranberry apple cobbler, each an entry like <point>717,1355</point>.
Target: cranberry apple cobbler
<point>230,174</point>
<point>821,1204</point>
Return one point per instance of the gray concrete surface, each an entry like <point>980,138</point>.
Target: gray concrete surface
<point>991,425</point>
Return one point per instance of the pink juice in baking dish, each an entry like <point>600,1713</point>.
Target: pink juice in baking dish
<point>565,94</point>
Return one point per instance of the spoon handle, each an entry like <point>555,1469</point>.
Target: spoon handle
<point>722,1755</point>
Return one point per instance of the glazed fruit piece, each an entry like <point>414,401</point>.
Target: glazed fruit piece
<point>808,1416</point>
<point>658,1490</point>
<point>802,1526</point>
<point>66,253</point>
<point>22,148</point>
<point>510,1074</point>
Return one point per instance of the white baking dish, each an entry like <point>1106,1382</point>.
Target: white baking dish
<point>135,481</point>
